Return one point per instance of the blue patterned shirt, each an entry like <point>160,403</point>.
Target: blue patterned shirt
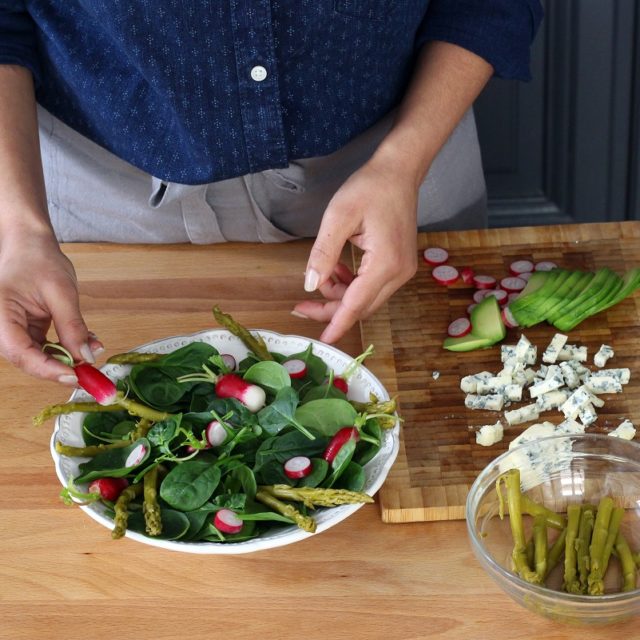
<point>195,91</point>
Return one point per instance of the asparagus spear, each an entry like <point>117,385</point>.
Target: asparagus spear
<point>71,407</point>
<point>595,581</point>
<point>557,548</point>
<point>511,480</point>
<point>150,506</point>
<point>540,546</point>
<point>140,410</point>
<point>121,510</point>
<point>627,563</point>
<point>316,497</point>
<point>134,357</point>
<point>253,343</point>
<point>304,522</point>
<point>570,563</point>
<point>554,520</point>
<point>582,546</point>
<point>90,451</point>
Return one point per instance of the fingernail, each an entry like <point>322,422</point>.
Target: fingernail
<point>311,279</point>
<point>87,354</point>
<point>297,314</point>
<point>97,349</point>
<point>68,379</point>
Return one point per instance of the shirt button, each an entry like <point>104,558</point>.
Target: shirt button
<point>258,73</point>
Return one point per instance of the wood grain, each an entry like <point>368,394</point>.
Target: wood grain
<point>63,578</point>
<point>439,458</point>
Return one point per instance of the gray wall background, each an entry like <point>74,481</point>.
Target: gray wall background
<point>566,146</point>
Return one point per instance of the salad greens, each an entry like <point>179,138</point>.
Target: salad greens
<point>178,480</point>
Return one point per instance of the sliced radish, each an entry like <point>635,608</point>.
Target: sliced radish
<point>459,327</point>
<point>545,265</point>
<point>295,367</point>
<point>435,255</point>
<point>520,266</point>
<point>341,383</point>
<point>227,521</point>
<point>480,295</point>
<point>445,274</point>
<point>484,282</point>
<point>216,434</point>
<point>511,297</point>
<point>136,456</point>
<point>297,467</point>
<point>499,294</point>
<point>229,361</point>
<point>109,488</point>
<point>467,273</point>
<point>508,319</point>
<point>513,284</point>
<point>471,307</point>
<point>526,275</point>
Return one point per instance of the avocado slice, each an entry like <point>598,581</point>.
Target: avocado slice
<point>581,307</point>
<point>486,321</point>
<point>537,312</point>
<point>553,280</point>
<point>581,285</point>
<point>622,288</point>
<point>467,343</point>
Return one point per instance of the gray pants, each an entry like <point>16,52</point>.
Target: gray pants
<point>94,196</point>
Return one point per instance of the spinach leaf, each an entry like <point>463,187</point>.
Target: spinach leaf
<point>340,463</point>
<point>280,413</point>
<point>98,427</point>
<point>241,480</point>
<point>270,375</point>
<point>272,472</point>
<point>174,524</point>
<point>316,367</point>
<point>113,462</point>
<point>287,445</point>
<point>326,416</point>
<point>323,391</point>
<point>319,470</point>
<point>365,450</point>
<point>189,484</point>
<point>352,478</point>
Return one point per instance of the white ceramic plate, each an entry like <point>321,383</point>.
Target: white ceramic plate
<point>68,429</point>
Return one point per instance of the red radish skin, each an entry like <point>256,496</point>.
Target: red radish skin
<point>508,319</point>
<point>296,368</point>
<point>445,274</point>
<point>499,294</point>
<point>227,521</point>
<point>229,361</point>
<point>215,433</point>
<point>342,436</point>
<point>109,488</point>
<point>136,456</point>
<point>342,384</point>
<point>471,307</point>
<point>297,467</point>
<point>467,273</point>
<point>545,265</point>
<point>95,383</point>
<point>480,295</point>
<point>231,385</point>
<point>484,282</point>
<point>459,327</point>
<point>520,266</point>
<point>513,284</point>
<point>435,255</point>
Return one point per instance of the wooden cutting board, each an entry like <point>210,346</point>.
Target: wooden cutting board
<point>439,458</point>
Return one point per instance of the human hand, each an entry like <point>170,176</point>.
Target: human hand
<point>37,287</point>
<point>375,210</point>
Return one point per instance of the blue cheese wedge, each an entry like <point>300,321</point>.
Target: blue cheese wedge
<point>578,399</point>
<point>624,430</point>
<point>573,352</point>
<point>553,380</point>
<point>604,353</point>
<point>551,400</point>
<point>524,414</point>
<point>489,434</point>
<point>552,351</point>
<point>587,414</point>
<point>469,384</point>
<point>523,351</point>
<point>570,375</point>
<point>597,384</point>
<point>491,402</point>
<point>621,375</point>
<point>495,384</point>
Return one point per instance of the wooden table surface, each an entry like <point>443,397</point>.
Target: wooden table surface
<point>61,575</point>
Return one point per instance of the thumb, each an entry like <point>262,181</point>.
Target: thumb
<point>72,331</point>
<point>326,250</point>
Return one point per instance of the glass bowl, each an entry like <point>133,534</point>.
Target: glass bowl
<point>556,472</point>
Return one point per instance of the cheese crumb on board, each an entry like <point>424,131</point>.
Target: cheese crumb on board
<point>552,352</point>
<point>489,434</point>
<point>624,430</point>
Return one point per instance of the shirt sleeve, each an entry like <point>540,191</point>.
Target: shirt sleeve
<point>500,31</point>
<point>17,37</point>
